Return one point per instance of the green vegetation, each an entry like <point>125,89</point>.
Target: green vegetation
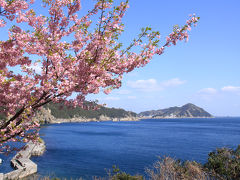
<point>225,163</point>
<point>61,111</point>
<point>222,164</point>
<point>40,140</point>
<point>2,116</point>
<point>117,174</point>
<point>168,168</point>
<point>188,110</point>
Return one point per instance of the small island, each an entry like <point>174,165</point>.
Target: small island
<point>186,111</point>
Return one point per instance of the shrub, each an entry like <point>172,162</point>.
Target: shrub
<point>224,163</point>
<point>117,174</point>
<point>170,169</point>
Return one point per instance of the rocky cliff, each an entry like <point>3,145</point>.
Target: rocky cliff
<point>44,116</point>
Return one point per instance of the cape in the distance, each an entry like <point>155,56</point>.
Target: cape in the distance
<point>186,111</point>
<point>52,113</point>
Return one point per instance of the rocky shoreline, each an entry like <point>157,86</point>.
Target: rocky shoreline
<point>168,117</point>
<point>21,161</point>
<point>100,119</point>
<point>44,116</point>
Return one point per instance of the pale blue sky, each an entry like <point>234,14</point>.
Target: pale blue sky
<point>204,71</point>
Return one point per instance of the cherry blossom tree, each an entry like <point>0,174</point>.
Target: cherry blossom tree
<point>74,55</point>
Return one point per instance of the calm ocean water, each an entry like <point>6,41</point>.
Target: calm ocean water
<point>89,149</point>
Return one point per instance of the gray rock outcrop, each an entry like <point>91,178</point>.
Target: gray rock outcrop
<point>100,119</point>
<point>44,116</point>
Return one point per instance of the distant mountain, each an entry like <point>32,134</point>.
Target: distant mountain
<point>187,111</point>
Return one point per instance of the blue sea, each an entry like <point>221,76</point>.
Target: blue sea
<point>90,149</point>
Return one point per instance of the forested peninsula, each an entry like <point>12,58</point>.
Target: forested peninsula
<point>59,113</point>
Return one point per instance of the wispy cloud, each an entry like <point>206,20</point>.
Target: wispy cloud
<point>132,97</point>
<point>153,85</point>
<point>207,94</point>
<point>144,85</point>
<point>123,91</point>
<point>207,91</point>
<point>212,93</point>
<point>172,82</point>
<point>112,98</point>
<point>233,89</point>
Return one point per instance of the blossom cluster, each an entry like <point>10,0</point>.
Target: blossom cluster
<point>93,61</point>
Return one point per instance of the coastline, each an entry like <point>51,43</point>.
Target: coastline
<point>147,117</point>
<point>105,118</point>
<point>45,116</point>
<point>82,119</point>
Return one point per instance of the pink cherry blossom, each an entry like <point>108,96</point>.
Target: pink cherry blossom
<point>93,61</point>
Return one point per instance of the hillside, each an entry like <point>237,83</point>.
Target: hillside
<point>186,111</point>
<point>56,113</point>
<point>63,112</point>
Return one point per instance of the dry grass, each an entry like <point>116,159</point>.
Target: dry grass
<point>170,169</point>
